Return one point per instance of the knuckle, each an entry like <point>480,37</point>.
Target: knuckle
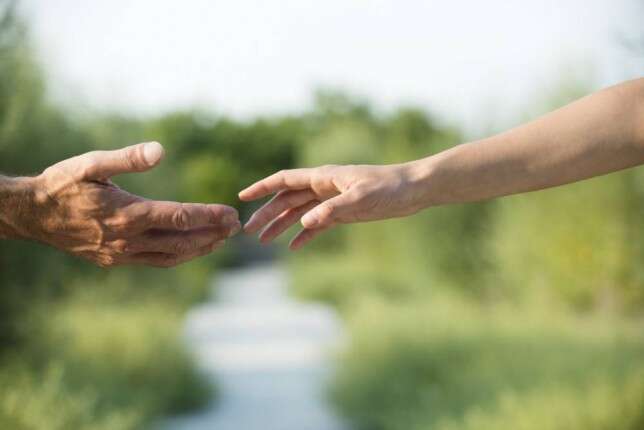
<point>322,175</point>
<point>325,171</point>
<point>326,210</point>
<point>92,157</point>
<point>119,223</point>
<point>88,165</point>
<point>120,246</point>
<point>278,176</point>
<point>106,261</point>
<point>283,177</point>
<point>181,219</point>
<point>132,159</point>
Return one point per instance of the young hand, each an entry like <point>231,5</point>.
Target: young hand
<point>323,197</point>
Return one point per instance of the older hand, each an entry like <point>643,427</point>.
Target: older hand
<point>325,196</point>
<point>74,207</point>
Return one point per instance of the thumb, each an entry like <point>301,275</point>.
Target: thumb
<point>330,211</point>
<point>135,158</point>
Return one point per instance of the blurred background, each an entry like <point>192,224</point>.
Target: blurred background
<point>521,313</point>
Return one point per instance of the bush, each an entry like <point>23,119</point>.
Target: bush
<point>418,364</point>
<point>580,244</point>
<point>133,351</point>
<point>98,363</point>
<point>604,404</point>
<point>87,348</point>
<point>43,400</point>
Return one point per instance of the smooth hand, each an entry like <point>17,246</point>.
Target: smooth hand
<point>75,207</point>
<point>323,197</point>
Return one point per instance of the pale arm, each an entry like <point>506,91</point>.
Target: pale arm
<point>598,134</point>
<point>595,135</point>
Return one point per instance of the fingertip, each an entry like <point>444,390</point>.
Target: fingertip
<point>231,217</point>
<point>245,195</point>
<point>153,153</point>
<point>225,209</point>
<point>225,214</point>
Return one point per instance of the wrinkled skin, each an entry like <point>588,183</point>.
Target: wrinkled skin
<point>75,207</point>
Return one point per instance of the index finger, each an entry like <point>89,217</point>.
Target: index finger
<point>185,216</point>
<point>294,179</point>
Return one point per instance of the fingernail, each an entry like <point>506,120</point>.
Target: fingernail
<point>152,152</point>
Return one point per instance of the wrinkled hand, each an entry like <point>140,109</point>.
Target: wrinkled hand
<point>76,208</point>
<point>326,196</point>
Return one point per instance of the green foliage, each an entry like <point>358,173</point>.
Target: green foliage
<point>34,400</point>
<point>580,243</point>
<point>344,131</point>
<point>214,157</point>
<point>82,347</point>
<point>605,404</point>
<point>100,363</point>
<point>514,314</point>
<point>518,313</point>
<point>443,360</point>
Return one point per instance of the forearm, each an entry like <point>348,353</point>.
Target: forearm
<point>598,134</point>
<point>15,193</point>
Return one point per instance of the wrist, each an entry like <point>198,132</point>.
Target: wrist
<point>16,198</point>
<point>419,179</point>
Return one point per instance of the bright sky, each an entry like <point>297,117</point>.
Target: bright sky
<point>468,61</point>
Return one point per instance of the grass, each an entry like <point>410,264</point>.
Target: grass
<point>581,243</point>
<point>98,362</point>
<point>444,363</point>
<point>604,404</point>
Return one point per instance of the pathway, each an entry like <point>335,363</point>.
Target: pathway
<point>267,353</point>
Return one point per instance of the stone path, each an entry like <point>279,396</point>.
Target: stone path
<point>267,353</point>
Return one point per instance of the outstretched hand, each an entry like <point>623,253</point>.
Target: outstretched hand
<point>75,207</point>
<point>323,197</point>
